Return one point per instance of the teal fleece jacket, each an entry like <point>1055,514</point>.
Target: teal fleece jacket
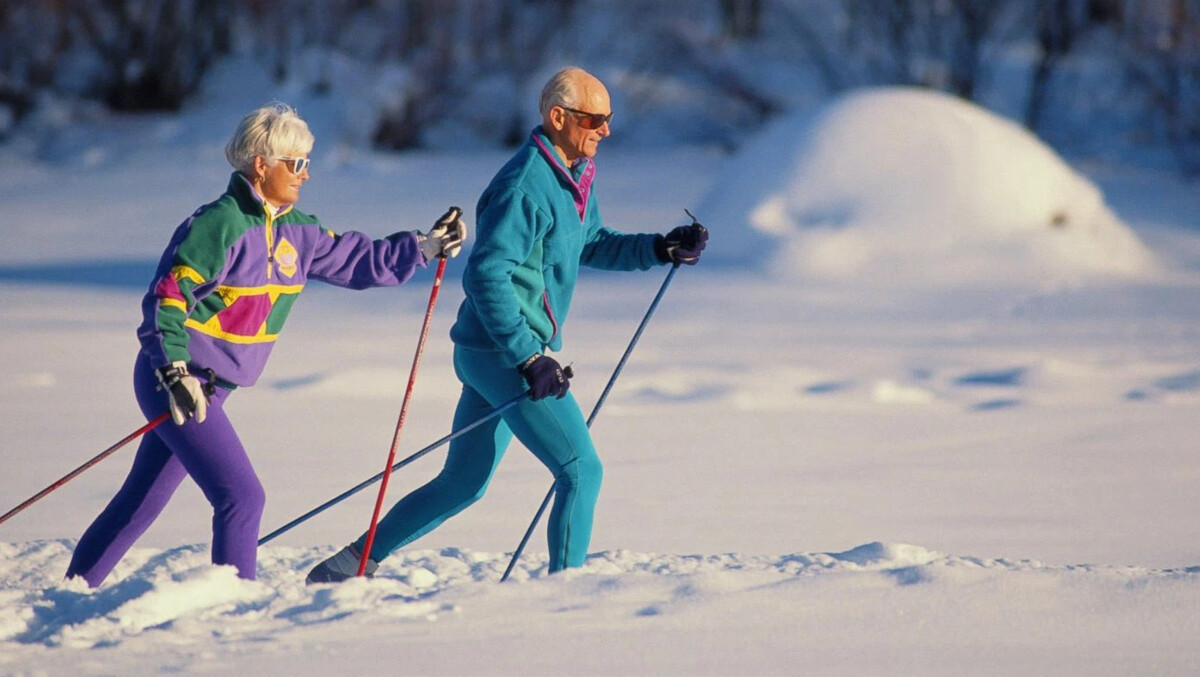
<point>536,223</point>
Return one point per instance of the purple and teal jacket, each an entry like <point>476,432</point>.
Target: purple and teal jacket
<point>232,271</point>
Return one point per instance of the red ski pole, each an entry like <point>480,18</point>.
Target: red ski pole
<point>412,379</point>
<point>71,475</point>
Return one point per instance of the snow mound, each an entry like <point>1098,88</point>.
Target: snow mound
<point>910,187</point>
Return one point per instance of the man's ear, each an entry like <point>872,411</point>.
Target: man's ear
<point>558,118</point>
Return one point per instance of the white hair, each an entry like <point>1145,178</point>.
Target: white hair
<point>270,131</point>
<point>561,90</point>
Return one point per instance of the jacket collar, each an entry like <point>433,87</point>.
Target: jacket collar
<point>250,200</point>
<point>578,178</point>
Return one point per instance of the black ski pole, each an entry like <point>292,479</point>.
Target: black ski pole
<point>595,410</point>
<point>399,464</point>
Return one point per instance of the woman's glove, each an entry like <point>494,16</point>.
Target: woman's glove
<point>446,237</point>
<point>682,245</point>
<point>188,397</point>
<point>545,377</point>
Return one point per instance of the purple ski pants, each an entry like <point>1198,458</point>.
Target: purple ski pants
<point>211,454</point>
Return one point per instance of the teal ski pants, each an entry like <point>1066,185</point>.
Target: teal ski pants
<point>553,429</point>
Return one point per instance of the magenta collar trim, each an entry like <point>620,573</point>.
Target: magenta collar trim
<point>581,190</point>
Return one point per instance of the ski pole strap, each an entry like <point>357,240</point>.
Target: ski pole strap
<point>399,464</point>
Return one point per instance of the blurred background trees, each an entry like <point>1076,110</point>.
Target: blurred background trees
<point>1087,75</point>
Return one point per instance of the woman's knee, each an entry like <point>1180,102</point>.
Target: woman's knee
<point>255,496</point>
<point>245,501</point>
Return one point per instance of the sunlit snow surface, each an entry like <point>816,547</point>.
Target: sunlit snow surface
<point>847,444</point>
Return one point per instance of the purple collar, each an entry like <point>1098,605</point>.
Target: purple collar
<point>581,189</point>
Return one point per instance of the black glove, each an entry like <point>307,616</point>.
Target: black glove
<point>545,377</point>
<point>187,396</point>
<point>683,244</point>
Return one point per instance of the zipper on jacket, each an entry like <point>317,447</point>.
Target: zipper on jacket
<point>270,234</point>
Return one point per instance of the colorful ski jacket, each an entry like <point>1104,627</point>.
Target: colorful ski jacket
<point>536,223</point>
<point>232,271</point>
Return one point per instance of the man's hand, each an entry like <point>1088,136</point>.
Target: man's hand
<point>446,237</point>
<point>682,245</point>
<point>545,377</point>
<point>187,396</point>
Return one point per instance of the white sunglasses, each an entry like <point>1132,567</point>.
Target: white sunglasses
<point>295,164</point>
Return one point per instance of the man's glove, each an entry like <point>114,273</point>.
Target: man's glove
<point>683,244</point>
<point>188,397</point>
<point>545,377</point>
<point>446,237</point>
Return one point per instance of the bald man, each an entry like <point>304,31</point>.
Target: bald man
<point>537,223</point>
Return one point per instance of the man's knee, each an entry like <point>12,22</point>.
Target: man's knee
<point>584,472</point>
<point>462,488</point>
<point>592,469</point>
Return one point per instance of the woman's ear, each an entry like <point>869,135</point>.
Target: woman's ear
<point>260,169</point>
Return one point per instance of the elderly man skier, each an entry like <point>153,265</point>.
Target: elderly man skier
<point>537,223</point>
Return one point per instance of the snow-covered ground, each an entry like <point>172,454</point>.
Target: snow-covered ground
<point>986,469</point>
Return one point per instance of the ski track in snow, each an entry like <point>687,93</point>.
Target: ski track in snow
<point>176,596</point>
<point>775,388</point>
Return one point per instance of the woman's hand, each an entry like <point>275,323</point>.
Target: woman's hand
<point>446,237</point>
<point>187,396</point>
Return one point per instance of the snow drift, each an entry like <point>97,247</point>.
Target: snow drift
<point>442,612</point>
<point>912,187</point>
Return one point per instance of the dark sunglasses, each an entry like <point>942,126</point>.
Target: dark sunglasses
<point>295,164</point>
<point>590,120</point>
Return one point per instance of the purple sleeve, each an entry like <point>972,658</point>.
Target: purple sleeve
<point>355,261</point>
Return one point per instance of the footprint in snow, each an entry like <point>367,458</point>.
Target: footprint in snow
<point>1183,383</point>
<point>1004,378</point>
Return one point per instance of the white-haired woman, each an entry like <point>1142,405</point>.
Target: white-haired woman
<point>219,298</point>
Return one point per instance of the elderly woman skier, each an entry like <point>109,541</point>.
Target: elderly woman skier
<point>216,305</point>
